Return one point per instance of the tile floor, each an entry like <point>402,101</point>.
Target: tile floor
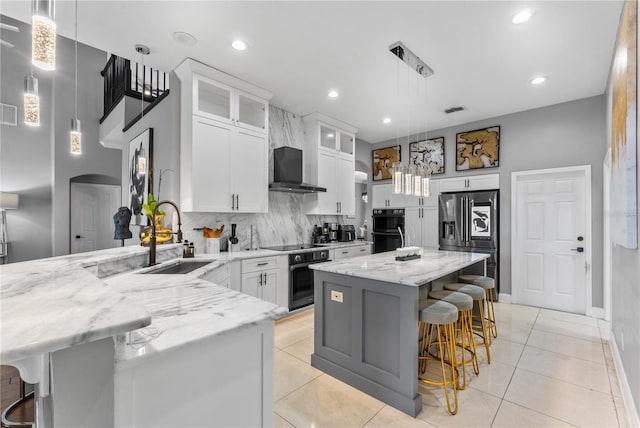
<point>548,369</point>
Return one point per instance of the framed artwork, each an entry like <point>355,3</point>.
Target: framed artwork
<point>140,180</point>
<point>478,149</point>
<point>428,154</point>
<point>383,160</point>
<point>624,211</point>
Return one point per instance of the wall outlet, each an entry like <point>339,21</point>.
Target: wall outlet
<point>336,296</point>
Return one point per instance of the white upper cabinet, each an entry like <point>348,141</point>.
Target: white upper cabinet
<point>425,201</point>
<point>223,142</point>
<point>383,197</point>
<point>470,183</point>
<point>329,162</point>
<point>227,104</point>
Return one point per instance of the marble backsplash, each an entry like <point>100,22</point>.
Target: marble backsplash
<point>285,223</point>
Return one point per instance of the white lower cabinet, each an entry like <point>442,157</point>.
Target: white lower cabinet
<point>421,226</point>
<point>262,277</point>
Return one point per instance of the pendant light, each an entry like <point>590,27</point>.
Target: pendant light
<point>43,34</point>
<point>31,101</point>
<point>142,155</point>
<point>75,136</point>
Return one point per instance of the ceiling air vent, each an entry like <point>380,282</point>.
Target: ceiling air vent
<point>454,109</point>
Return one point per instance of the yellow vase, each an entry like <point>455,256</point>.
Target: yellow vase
<point>162,234</point>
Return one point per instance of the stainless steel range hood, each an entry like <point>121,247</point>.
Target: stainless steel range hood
<point>287,172</point>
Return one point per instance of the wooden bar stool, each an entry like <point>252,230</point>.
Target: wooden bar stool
<point>464,304</point>
<point>489,284</point>
<point>477,294</point>
<point>439,317</point>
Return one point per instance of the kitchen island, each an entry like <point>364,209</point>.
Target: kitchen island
<point>124,348</point>
<point>366,320</point>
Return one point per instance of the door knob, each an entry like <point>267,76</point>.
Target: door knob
<point>79,237</point>
<point>579,249</point>
<point>580,238</point>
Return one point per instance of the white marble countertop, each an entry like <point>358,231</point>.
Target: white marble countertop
<point>185,309</point>
<point>345,244</point>
<point>432,265</point>
<point>54,303</point>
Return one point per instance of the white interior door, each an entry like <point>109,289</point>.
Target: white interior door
<point>551,240</point>
<point>92,210</point>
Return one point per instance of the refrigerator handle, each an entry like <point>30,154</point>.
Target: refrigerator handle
<point>467,219</point>
<point>464,219</point>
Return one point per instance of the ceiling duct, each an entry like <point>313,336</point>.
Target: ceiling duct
<point>411,59</point>
<point>454,109</point>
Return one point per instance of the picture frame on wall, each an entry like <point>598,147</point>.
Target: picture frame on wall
<point>428,154</point>
<point>478,149</point>
<point>383,160</point>
<point>140,175</point>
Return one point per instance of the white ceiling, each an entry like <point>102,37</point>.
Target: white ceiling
<point>300,50</point>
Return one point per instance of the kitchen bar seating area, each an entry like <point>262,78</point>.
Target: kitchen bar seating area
<point>548,369</point>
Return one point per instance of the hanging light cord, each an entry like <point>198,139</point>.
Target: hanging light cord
<point>76,64</point>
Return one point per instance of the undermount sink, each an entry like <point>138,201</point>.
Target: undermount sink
<point>179,268</point>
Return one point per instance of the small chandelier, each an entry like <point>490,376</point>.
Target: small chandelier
<point>412,180</point>
<point>31,101</point>
<point>43,34</point>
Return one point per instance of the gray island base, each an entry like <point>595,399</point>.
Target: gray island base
<point>366,320</point>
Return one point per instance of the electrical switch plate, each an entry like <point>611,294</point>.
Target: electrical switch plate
<point>336,296</point>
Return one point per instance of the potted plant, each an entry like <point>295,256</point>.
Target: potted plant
<point>162,235</point>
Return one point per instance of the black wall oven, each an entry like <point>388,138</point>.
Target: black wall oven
<point>386,236</point>
<point>301,277</point>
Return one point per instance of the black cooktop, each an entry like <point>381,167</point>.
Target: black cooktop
<point>290,247</point>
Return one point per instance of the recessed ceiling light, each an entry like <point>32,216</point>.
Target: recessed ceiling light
<point>184,38</point>
<point>239,45</point>
<point>386,120</point>
<point>539,80</point>
<point>333,94</point>
<point>522,17</point>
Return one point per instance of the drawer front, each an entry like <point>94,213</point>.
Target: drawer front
<point>361,250</point>
<point>259,264</point>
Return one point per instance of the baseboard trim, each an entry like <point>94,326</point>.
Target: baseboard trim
<point>504,298</point>
<point>633,419</point>
<point>597,313</point>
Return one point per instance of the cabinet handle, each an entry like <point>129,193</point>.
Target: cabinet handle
<point>345,252</point>
<point>363,249</point>
<point>265,279</point>
<point>233,202</point>
<point>237,202</point>
<point>262,264</point>
<point>260,282</point>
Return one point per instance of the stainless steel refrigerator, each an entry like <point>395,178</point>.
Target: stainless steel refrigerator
<point>470,221</point>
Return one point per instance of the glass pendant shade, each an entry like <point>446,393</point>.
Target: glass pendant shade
<point>397,177</point>
<point>426,190</point>
<point>75,140</point>
<point>31,102</point>
<point>43,42</point>
<point>408,180</point>
<point>142,162</point>
<point>417,181</point>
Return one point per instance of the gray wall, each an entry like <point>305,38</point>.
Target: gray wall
<point>25,152</point>
<point>625,292</point>
<point>35,162</point>
<point>554,136</point>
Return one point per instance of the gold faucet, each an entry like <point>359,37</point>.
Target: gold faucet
<point>152,239</point>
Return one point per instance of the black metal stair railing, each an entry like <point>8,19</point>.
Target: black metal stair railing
<point>124,78</point>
